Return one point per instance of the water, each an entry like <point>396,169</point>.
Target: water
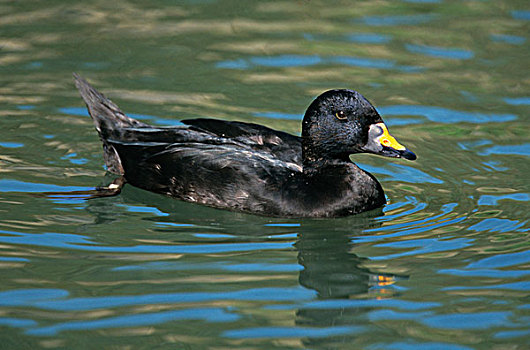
<point>443,266</point>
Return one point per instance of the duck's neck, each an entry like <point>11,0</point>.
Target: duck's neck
<point>321,150</point>
<point>316,157</point>
<point>314,165</point>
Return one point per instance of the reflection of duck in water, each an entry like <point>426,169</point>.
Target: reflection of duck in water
<point>347,289</point>
<point>249,167</point>
<point>330,267</point>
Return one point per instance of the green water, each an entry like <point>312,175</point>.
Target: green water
<point>443,266</point>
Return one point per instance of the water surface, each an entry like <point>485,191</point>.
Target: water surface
<point>443,266</point>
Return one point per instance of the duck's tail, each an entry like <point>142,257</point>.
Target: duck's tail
<point>109,121</point>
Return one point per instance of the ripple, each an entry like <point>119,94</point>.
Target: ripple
<point>17,322</point>
<point>72,158</point>
<point>284,61</point>
<point>361,303</point>
<point>402,173</point>
<point>522,150</point>
<point>59,303</point>
<point>423,1</point>
<point>277,115</point>
<point>11,144</point>
<point>223,266</point>
<point>419,346</point>
<point>380,315</point>
<point>441,52</point>
<point>502,260</point>
<point>521,286</point>
<point>292,332</point>
<point>368,38</point>
<point>78,242</point>
<point>144,319</point>
<point>517,101</point>
<point>8,185</point>
<point>485,273</point>
<point>497,225</point>
<point>82,111</point>
<point>512,334</point>
<point>423,245</point>
<point>469,321</point>
<point>445,115</point>
<point>391,20</point>
<point>488,199</point>
<point>509,39</point>
<point>521,15</point>
<point>23,297</point>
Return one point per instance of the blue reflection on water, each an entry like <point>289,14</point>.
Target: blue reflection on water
<point>442,52</point>
<point>521,14</point>
<point>303,61</point>
<point>78,242</point>
<point>144,209</point>
<point>292,332</point>
<point>502,260</point>
<point>419,346</point>
<point>517,101</point>
<point>11,144</point>
<point>486,273</point>
<point>425,245</point>
<point>368,38</point>
<point>445,115</point>
<point>11,258</point>
<point>363,62</point>
<point>496,225</point>
<point>391,20</point>
<point>81,111</point>
<point>360,38</point>
<point>56,299</point>
<point>25,107</point>
<point>510,39</point>
<point>25,297</point>
<point>379,315</point>
<point>17,322</point>
<point>401,173</point>
<point>523,286</point>
<point>71,157</point>
<point>523,150</point>
<point>277,115</point>
<point>205,314</point>
<point>286,61</point>
<point>478,320</point>
<point>512,334</point>
<point>489,199</point>
<point>225,266</point>
<point>8,185</point>
<point>467,145</point>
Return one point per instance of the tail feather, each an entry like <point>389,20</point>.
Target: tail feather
<point>108,119</point>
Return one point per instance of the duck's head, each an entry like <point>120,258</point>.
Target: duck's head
<point>342,122</point>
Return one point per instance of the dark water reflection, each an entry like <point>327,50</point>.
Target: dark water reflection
<point>443,266</point>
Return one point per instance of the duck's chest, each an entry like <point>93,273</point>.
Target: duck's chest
<point>338,191</point>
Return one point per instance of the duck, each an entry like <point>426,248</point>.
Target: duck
<point>251,168</point>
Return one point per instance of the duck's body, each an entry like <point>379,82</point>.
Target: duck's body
<point>242,166</point>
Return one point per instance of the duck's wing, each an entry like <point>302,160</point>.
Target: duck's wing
<point>281,145</point>
<point>221,175</point>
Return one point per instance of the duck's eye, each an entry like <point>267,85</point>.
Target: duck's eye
<point>340,115</point>
<point>377,130</point>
